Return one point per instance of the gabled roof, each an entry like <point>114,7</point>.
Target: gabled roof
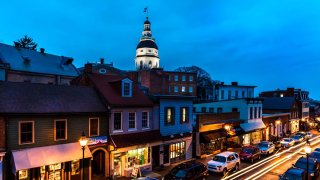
<point>27,60</point>
<point>277,102</point>
<point>32,98</point>
<point>110,88</point>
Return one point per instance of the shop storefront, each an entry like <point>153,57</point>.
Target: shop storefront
<point>212,141</point>
<point>58,162</point>
<point>294,126</point>
<point>177,151</point>
<point>253,131</point>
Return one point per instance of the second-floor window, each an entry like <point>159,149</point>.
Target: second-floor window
<point>255,112</point>
<point>243,94</point>
<point>93,126</point>
<point>176,78</point>
<point>190,78</point>
<point>132,120</point>
<point>117,121</point>
<point>219,110</point>
<point>203,109</point>
<point>26,132</point>
<point>126,88</point>
<point>229,94</point>
<point>184,115</point>
<point>145,120</point>
<point>259,112</point>
<point>211,110</point>
<point>236,94</point>
<point>60,127</point>
<point>176,89</point>
<point>169,115</point>
<point>183,89</point>
<point>222,94</point>
<point>190,89</point>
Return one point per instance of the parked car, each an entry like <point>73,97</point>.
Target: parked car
<point>223,162</point>
<point>278,145</point>
<point>297,139</point>
<point>313,166</point>
<point>316,155</point>
<point>287,142</point>
<point>302,134</point>
<point>294,173</point>
<point>317,149</point>
<point>250,153</point>
<point>146,178</point>
<point>187,171</point>
<point>266,147</point>
<point>309,135</point>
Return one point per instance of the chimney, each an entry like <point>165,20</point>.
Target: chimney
<point>88,68</point>
<point>234,83</point>
<point>42,50</point>
<point>101,60</point>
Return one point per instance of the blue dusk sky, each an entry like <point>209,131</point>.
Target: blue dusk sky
<point>271,43</point>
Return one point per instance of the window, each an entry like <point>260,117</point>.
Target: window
<point>169,115</point>
<point>169,77</point>
<point>132,120</point>
<point>177,151</point>
<point>117,121</point>
<point>190,78</point>
<point>141,50</point>
<point>169,89</point>
<point>184,115</point>
<point>229,94</point>
<point>190,89</point>
<point>222,94</point>
<point>251,113</point>
<point>236,94</point>
<point>183,89</point>
<point>176,78</point>
<point>93,126</point>
<point>203,109</point>
<point>149,50</point>
<point>255,112</point>
<point>219,110</point>
<point>249,94</point>
<point>139,156</point>
<point>60,127</point>
<point>183,78</point>
<point>176,89</point>
<point>259,112</point>
<point>126,88</point>
<point>26,132</point>
<point>211,110</point>
<point>145,119</point>
<point>243,94</point>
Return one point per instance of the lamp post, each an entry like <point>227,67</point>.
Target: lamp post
<point>307,150</point>
<point>278,122</point>
<point>83,142</point>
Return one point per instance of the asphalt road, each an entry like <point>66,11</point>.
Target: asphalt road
<point>269,167</point>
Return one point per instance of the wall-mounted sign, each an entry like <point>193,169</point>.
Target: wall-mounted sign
<point>97,140</point>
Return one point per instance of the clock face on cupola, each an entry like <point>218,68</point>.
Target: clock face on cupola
<point>147,50</point>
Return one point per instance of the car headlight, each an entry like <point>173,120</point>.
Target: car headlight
<point>312,174</point>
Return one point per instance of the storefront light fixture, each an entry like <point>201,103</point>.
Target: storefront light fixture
<point>278,122</point>
<point>227,127</point>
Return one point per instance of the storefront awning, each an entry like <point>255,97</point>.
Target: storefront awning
<point>252,126</point>
<point>41,156</point>
<point>212,135</point>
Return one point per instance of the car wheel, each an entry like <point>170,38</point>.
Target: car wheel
<point>224,171</point>
<point>259,157</point>
<point>251,160</point>
<point>237,167</point>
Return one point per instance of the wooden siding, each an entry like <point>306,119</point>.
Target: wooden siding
<point>44,129</point>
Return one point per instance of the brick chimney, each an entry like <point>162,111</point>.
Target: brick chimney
<point>42,50</point>
<point>234,83</point>
<point>101,60</point>
<point>88,68</point>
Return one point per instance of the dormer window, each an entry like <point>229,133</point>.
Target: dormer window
<point>126,88</point>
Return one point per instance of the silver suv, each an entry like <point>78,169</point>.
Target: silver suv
<point>223,162</point>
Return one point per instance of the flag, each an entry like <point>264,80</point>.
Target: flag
<point>145,9</point>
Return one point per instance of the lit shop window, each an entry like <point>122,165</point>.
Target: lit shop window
<point>75,167</point>
<point>23,174</point>
<point>177,151</point>
<point>138,157</point>
<point>55,171</point>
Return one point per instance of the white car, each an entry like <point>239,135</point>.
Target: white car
<point>223,162</point>
<point>287,142</point>
<point>297,138</point>
<point>266,147</point>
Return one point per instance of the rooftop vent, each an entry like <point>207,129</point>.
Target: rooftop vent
<point>42,50</point>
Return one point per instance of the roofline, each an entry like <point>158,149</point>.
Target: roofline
<point>48,74</point>
<point>52,113</point>
<point>235,85</point>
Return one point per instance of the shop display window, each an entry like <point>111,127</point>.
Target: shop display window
<point>177,151</point>
<point>139,156</point>
<point>23,174</point>
<point>75,167</point>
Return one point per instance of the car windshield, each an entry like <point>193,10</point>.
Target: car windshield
<point>303,165</point>
<point>179,173</point>
<point>263,145</point>
<point>286,139</point>
<point>247,150</point>
<point>296,137</point>
<point>219,158</point>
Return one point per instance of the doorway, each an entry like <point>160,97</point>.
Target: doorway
<point>98,163</point>
<point>166,154</point>
<point>155,156</point>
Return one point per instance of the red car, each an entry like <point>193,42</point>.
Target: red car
<point>250,153</point>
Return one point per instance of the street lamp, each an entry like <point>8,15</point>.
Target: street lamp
<point>83,142</point>
<point>307,150</point>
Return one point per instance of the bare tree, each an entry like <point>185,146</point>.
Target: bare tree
<point>203,77</point>
<point>26,42</point>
